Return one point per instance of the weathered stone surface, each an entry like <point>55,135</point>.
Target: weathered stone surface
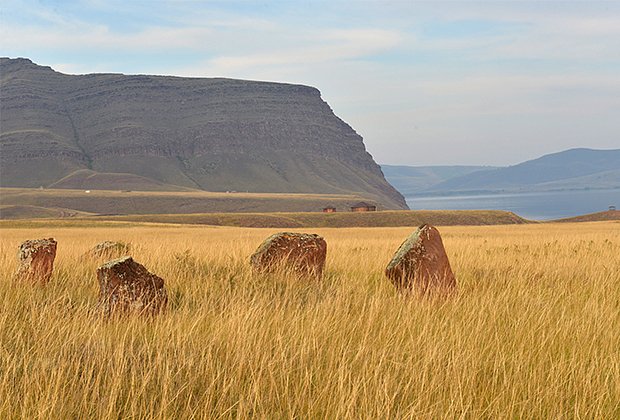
<point>126,285</point>
<point>302,253</point>
<point>108,249</point>
<point>36,260</point>
<point>421,263</point>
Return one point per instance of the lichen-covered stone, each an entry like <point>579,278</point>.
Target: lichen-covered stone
<point>125,285</point>
<point>36,260</point>
<point>107,250</point>
<point>421,263</point>
<point>301,253</point>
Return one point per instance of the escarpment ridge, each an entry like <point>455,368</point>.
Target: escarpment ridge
<point>210,134</point>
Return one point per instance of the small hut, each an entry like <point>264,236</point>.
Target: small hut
<point>329,209</point>
<point>612,208</point>
<point>362,206</point>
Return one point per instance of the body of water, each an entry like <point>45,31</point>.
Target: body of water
<point>535,206</point>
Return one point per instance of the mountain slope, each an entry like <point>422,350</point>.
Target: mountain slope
<point>86,179</point>
<point>211,134</point>
<point>412,179</point>
<point>570,169</point>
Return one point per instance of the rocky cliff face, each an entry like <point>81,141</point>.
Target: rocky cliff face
<point>212,134</point>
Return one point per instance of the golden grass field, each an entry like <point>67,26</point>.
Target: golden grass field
<point>533,331</point>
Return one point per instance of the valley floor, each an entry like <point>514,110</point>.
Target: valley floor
<point>531,333</point>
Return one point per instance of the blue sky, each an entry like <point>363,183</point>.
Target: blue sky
<point>423,82</point>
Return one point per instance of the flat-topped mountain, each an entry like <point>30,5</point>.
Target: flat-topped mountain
<point>197,133</point>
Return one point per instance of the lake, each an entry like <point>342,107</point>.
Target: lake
<point>535,206</point>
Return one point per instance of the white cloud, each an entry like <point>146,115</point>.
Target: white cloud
<point>100,37</point>
<point>322,47</point>
<point>537,74</point>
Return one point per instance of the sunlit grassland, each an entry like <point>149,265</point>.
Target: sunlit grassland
<point>533,331</point>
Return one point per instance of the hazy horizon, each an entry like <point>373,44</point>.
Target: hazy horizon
<point>425,83</point>
<point>500,166</point>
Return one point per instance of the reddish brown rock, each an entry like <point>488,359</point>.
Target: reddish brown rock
<point>107,250</point>
<point>421,263</point>
<point>36,260</point>
<point>301,253</point>
<point>125,285</point>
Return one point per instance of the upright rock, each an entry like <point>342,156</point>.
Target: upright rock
<point>421,263</point>
<point>125,285</point>
<point>301,253</point>
<point>36,260</point>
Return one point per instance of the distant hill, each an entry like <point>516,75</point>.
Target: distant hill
<point>412,179</point>
<point>36,212</point>
<point>570,169</point>
<point>388,218</point>
<point>592,217</point>
<point>574,169</point>
<point>76,131</point>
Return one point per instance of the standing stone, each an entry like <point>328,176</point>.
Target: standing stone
<point>421,263</point>
<point>301,253</point>
<point>126,285</point>
<point>36,260</point>
<point>107,250</point>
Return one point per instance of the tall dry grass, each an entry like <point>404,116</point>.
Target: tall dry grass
<point>532,333</point>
